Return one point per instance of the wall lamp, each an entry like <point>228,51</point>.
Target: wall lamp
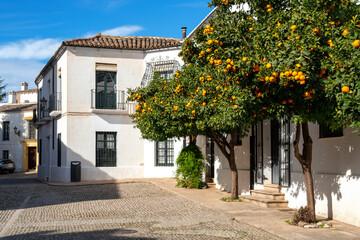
<point>16,131</point>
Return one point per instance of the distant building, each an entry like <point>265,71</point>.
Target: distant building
<point>18,134</point>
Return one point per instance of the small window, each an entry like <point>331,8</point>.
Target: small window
<point>40,151</point>
<point>326,132</point>
<point>106,149</point>
<point>6,131</point>
<point>6,154</point>
<point>31,129</point>
<point>59,150</point>
<point>165,153</point>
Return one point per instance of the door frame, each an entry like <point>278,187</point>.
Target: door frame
<point>256,153</point>
<point>211,173</point>
<point>280,138</point>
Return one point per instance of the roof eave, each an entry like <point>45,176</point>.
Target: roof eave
<point>59,52</point>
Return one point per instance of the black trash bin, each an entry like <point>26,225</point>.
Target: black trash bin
<point>75,171</point>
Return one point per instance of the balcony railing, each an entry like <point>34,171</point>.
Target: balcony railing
<point>55,102</point>
<point>115,100</point>
<point>45,114</point>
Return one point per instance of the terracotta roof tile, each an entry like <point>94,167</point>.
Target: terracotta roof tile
<point>130,43</point>
<point>28,91</point>
<point>18,107</point>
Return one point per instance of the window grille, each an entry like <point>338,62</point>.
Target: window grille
<point>6,131</point>
<point>326,132</point>
<point>105,149</point>
<point>31,129</point>
<point>6,154</point>
<point>166,69</point>
<point>165,153</point>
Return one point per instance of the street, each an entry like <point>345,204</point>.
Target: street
<point>30,209</point>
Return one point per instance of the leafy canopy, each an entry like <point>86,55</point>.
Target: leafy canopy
<point>257,60</point>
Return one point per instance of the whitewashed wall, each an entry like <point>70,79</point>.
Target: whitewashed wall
<point>28,98</point>
<point>150,168</point>
<point>78,123</point>
<point>336,173</point>
<point>14,145</point>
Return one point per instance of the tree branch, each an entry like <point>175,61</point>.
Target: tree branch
<point>220,143</point>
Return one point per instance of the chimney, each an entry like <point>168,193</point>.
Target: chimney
<point>24,86</point>
<point>184,32</point>
<point>12,97</point>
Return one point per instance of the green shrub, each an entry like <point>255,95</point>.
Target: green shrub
<point>190,166</point>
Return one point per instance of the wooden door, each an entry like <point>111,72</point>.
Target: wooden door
<point>31,157</point>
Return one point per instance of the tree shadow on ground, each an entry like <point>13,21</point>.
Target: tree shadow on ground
<point>104,234</point>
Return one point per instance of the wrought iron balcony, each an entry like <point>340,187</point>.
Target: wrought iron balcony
<point>55,102</point>
<point>114,100</point>
<point>45,115</point>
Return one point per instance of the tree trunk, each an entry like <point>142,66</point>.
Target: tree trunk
<point>193,139</point>
<point>228,150</point>
<point>234,173</point>
<point>305,160</point>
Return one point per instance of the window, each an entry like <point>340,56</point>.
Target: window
<point>6,154</point>
<point>6,131</point>
<point>165,153</point>
<point>166,69</point>
<point>106,149</point>
<point>59,150</point>
<point>326,132</point>
<point>238,138</point>
<point>105,90</point>
<point>40,151</point>
<point>31,129</point>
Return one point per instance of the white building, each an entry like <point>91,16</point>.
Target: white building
<point>18,134</point>
<point>83,111</point>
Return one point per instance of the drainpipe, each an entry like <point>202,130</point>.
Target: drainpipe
<point>184,32</point>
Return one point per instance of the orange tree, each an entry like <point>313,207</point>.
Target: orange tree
<point>306,57</point>
<point>265,59</point>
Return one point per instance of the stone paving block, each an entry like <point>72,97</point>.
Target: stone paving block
<point>113,211</point>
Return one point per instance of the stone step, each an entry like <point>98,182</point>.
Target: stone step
<point>211,185</point>
<point>268,203</point>
<point>268,195</point>
<point>209,180</point>
<point>272,188</point>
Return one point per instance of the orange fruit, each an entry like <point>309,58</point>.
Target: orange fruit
<point>356,43</point>
<point>345,89</point>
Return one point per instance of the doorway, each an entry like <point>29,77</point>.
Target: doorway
<point>210,158</point>
<point>280,152</point>
<point>256,155</point>
<point>31,158</point>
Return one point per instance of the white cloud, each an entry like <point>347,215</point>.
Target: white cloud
<point>29,49</point>
<point>16,71</point>
<point>123,30</point>
<point>127,30</point>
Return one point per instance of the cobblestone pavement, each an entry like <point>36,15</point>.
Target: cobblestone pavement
<point>30,209</point>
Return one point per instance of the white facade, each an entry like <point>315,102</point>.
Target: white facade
<point>335,167</point>
<point>78,118</point>
<point>18,136</point>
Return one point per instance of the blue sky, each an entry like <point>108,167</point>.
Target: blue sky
<point>31,30</point>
